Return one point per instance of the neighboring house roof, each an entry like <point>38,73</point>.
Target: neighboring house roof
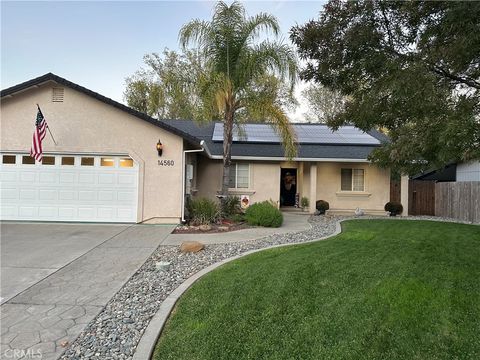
<point>61,81</point>
<point>447,173</point>
<point>274,150</point>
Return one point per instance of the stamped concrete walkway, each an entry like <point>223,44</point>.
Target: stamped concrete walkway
<point>50,309</point>
<point>292,222</point>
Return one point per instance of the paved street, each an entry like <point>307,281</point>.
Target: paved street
<point>56,278</point>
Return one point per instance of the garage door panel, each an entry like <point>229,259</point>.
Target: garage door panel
<point>48,195</point>
<point>67,213</point>
<point>86,178</point>
<point>124,213</point>
<point>126,179</point>
<point>28,211</point>
<point>27,176</point>
<point>87,212</point>
<point>27,194</point>
<point>8,211</point>
<point>8,176</point>
<point>47,212</point>
<point>47,177</point>
<point>106,213</point>
<point>106,195</point>
<point>87,195</point>
<point>126,195</point>
<point>69,193</point>
<point>106,178</point>
<point>67,178</point>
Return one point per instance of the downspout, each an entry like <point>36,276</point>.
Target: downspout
<point>202,144</point>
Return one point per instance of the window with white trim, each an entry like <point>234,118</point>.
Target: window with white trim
<point>239,176</point>
<point>353,180</point>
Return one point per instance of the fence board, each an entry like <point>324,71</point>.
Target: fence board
<point>458,200</point>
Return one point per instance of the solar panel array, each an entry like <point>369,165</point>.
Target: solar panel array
<point>306,133</point>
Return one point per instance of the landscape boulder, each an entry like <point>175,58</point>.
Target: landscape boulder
<point>191,247</point>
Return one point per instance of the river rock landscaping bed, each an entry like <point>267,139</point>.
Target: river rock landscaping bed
<point>117,329</point>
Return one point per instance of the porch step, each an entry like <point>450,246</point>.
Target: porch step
<point>292,209</point>
<point>351,212</point>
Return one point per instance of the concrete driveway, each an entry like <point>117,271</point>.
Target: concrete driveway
<point>55,278</point>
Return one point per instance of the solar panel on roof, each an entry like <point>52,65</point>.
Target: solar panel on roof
<point>306,133</point>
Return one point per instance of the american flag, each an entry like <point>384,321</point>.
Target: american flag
<point>38,135</point>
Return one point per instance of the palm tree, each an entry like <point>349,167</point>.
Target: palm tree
<point>239,64</point>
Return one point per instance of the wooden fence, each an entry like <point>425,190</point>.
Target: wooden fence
<point>458,200</point>
<point>421,197</point>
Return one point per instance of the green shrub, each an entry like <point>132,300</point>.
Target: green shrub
<point>322,206</point>
<point>304,202</point>
<point>230,206</point>
<point>264,214</point>
<point>237,218</point>
<point>203,211</point>
<point>394,208</point>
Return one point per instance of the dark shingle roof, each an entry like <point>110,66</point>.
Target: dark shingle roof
<point>270,150</point>
<point>195,133</point>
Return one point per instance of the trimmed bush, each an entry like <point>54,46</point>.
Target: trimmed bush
<point>264,214</point>
<point>322,206</point>
<point>231,206</point>
<point>203,211</point>
<point>394,208</point>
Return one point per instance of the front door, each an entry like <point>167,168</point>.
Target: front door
<point>288,187</point>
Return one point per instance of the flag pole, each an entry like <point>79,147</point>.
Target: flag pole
<point>48,127</point>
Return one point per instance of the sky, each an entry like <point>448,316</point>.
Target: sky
<point>97,44</point>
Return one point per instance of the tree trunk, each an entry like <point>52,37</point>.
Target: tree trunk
<point>227,150</point>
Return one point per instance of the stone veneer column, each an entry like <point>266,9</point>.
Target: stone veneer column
<point>313,187</point>
<point>404,194</point>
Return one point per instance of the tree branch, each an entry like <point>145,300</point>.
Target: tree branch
<point>464,80</point>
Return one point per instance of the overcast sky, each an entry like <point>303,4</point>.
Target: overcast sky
<point>98,44</point>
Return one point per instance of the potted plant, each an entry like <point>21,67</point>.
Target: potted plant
<point>305,203</point>
<point>322,206</point>
<point>394,208</point>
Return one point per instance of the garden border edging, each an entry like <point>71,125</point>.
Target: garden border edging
<point>148,341</point>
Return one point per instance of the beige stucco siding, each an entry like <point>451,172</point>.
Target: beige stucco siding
<point>82,124</point>
<point>377,187</point>
<point>264,181</point>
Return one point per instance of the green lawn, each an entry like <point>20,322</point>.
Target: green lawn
<point>383,289</point>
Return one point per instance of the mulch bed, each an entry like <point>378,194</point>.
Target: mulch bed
<point>211,229</point>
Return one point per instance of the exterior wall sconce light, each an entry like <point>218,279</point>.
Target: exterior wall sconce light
<point>159,147</point>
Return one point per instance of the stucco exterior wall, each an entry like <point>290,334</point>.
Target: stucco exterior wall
<point>265,183</point>
<point>377,187</point>
<point>264,180</point>
<point>82,124</point>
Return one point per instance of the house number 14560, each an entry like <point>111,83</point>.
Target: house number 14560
<point>166,162</point>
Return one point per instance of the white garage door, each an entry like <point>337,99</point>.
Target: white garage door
<point>69,188</point>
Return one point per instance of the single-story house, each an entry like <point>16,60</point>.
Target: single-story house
<point>105,166</point>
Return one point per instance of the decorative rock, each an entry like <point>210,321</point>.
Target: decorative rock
<point>191,247</point>
<point>223,228</point>
<point>205,227</point>
<point>115,335</point>
<point>162,265</point>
